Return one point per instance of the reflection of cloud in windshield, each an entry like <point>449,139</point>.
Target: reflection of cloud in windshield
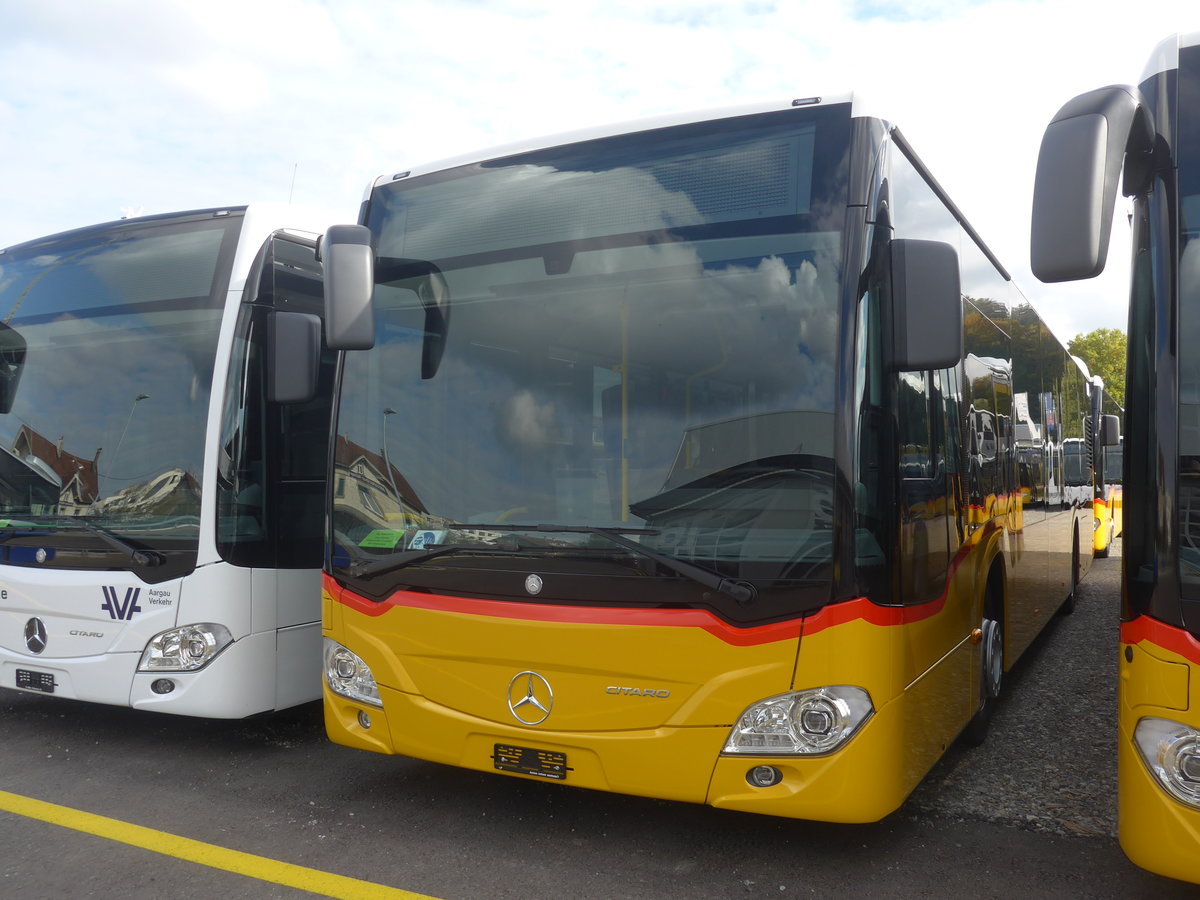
<point>525,423</point>
<point>530,205</point>
<point>156,267</point>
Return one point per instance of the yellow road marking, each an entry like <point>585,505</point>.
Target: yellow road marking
<point>203,854</point>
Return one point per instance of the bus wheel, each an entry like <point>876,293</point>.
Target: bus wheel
<point>1068,605</point>
<point>992,678</point>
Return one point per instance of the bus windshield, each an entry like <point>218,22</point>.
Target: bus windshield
<point>119,324</point>
<point>634,334</point>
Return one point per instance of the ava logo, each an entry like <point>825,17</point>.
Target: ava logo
<point>118,609</point>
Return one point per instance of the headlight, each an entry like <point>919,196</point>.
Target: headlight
<point>809,722</point>
<point>348,675</point>
<point>1171,752</point>
<point>185,649</point>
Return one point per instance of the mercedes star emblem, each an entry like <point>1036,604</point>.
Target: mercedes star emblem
<point>530,698</point>
<point>35,635</point>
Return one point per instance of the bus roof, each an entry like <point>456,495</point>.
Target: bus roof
<point>628,127</point>
<point>1165,56</point>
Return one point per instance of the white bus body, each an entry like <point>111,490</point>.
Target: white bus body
<point>153,337</point>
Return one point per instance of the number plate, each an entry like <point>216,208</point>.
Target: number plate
<point>35,681</point>
<point>527,761</point>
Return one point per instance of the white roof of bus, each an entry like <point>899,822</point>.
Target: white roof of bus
<point>629,127</point>
<point>1165,56</point>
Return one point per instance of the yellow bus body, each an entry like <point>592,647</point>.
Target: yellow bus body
<point>1159,677</point>
<point>644,700</point>
<point>1108,518</point>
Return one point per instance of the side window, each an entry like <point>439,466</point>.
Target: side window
<point>928,499</point>
<point>271,475</point>
<point>241,474</point>
<point>916,441</point>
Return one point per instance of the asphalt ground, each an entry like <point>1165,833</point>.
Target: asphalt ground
<point>103,802</point>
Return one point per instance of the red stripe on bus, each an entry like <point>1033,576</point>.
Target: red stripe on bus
<point>887,616</point>
<point>828,617</point>
<point>1178,641</point>
<point>584,615</point>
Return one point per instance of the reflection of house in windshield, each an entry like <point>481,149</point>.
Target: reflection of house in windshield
<point>369,490</point>
<point>38,475</point>
<point>173,493</point>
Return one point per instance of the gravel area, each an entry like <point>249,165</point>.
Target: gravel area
<point>1049,762</point>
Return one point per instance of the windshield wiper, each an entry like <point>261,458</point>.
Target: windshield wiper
<point>139,557</point>
<point>362,568</point>
<point>742,592</point>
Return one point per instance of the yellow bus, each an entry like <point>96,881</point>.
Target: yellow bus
<point>1145,139</point>
<point>678,459</point>
<point>1109,501</point>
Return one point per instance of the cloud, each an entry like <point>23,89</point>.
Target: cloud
<point>174,105</point>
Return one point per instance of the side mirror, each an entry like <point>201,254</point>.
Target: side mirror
<point>349,266</point>
<point>1083,152</point>
<point>1110,431</point>
<point>294,357</point>
<point>927,313</point>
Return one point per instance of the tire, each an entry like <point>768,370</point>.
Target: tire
<point>991,681</point>
<point>1068,605</point>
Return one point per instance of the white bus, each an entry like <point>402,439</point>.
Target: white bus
<point>163,433</point>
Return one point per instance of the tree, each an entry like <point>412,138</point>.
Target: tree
<point>1104,352</point>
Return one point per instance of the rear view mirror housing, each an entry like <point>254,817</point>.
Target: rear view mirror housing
<point>1110,431</point>
<point>294,354</point>
<point>927,314</point>
<point>349,266</point>
<point>1087,146</point>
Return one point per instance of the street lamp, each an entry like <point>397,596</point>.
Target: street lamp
<point>136,400</point>
<point>388,411</point>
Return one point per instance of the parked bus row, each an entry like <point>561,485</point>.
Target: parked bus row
<point>714,458</point>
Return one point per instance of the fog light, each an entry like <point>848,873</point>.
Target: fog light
<point>162,686</point>
<point>363,719</point>
<point>764,776</point>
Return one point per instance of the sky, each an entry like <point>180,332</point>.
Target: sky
<point>148,106</point>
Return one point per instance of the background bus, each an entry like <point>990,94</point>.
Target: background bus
<point>682,463</point>
<point>1147,137</point>
<point>162,470</point>
<point>1109,502</point>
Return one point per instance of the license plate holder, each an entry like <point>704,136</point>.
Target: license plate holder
<point>530,761</point>
<point>35,681</point>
